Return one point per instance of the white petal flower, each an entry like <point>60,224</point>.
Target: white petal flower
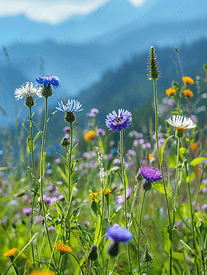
<point>181,123</point>
<point>28,89</point>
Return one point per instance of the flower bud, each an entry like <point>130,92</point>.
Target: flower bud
<point>69,117</point>
<point>65,142</point>
<point>29,101</point>
<point>147,185</point>
<point>205,67</point>
<point>114,249</point>
<point>93,255</point>
<point>47,91</point>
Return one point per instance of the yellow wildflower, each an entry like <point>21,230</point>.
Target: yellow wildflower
<point>188,93</point>
<point>108,192</point>
<point>102,191</point>
<point>10,253</point>
<point>187,80</point>
<point>170,91</point>
<point>63,248</point>
<point>38,272</point>
<point>93,195</point>
<point>193,146</point>
<point>89,136</point>
<point>150,156</point>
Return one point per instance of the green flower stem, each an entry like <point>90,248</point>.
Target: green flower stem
<point>139,230</point>
<point>16,272</point>
<point>41,174</point>
<point>161,167</point>
<point>33,170</point>
<point>123,181</point>
<point>69,174</point>
<point>188,104</point>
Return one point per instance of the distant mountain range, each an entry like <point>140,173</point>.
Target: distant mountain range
<point>113,35</point>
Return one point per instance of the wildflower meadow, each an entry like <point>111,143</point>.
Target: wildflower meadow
<point>114,208</point>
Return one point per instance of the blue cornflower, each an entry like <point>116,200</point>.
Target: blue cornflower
<point>120,121</point>
<point>151,174</point>
<point>71,106</point>
<point>48,79</point>
<point>69,109</point>
<point>117,234</point>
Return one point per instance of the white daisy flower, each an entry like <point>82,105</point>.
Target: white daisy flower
<point>181,123</point>
<point>28,89</point>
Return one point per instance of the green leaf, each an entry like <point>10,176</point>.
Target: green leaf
<point>191,177</point>
<point>63,175</point>
<point>201,187</point>
<point>178,256</point>
<point>162,149</point>
<point>168,242</point>
<point>51,116</point>
<point>192,250</point>
<point>29,143</point>
<point>61,189</point>
<point>125,177</point>
<point>159,187</point>
<point>184,210</point>
<point>36,137</point>
<point>182,152</point>
<point>6,168</point>
<point>171,161</point>
<point>26,129</point>
<point>43,163</point>
<point>97,226</point>
<point>197,161</point>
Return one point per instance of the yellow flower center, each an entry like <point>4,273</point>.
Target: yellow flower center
<point>118,119</point>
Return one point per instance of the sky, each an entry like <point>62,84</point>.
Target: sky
<point>53,12</point>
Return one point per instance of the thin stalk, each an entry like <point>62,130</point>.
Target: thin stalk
<point>33,170</point>
<point>123,181</point>
<point>139,230</point>
<point>188,104</point>
<point>161,166</point>
<point>69,174</point>
<point>41,174</point>
<point>16,272</point>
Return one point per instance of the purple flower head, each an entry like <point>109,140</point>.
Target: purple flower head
<point>150,173</point>
<point>86,223</point>
<point>26,211</point>
<point>204,207</point>
<point>118,234</point>
<point>194,118</point>
<point>51,228</point>
<point>40,218</point>
<point>204,181</point>
<point>61,197</point>
<point>66,129</point>
<point>120,199</point>
<point>95,111</point>
<point>48,79</point>
<point>101,132</point>
<point>57,160</point>
<point>133,134</point>
<point>120,121</point>
<point>90,114</point>
<point>59,182</point>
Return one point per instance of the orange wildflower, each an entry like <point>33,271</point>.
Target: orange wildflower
<point>93,195</point>
<point>89,136</point>
<point>10,253</point>
<point>63,248</point>
<point>188,93</point>
<point>193,146</point>
<point>187,80</point>
<point>170,91</point>
<point>108,192</point>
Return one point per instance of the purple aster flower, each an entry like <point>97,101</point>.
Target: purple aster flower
<point>194,118</point>
<point>59,182</point>
<point>48,79</point>
<point>26,211</point>
<point>120,199</point>
<point>118,234</point>
<point>90,125</point>
<point>204,207</point>
<point>101,132</point>
<point>51,228</point>
<point>131,152</point>
<point>57,160</point>
<point>86,223</point>
<point>61,197</point>
<point>204,181</point>
<point>150,173</point>
<point>95,111</point>
<point>133,134</point>
<point>40,218</point>
<point>90,115</point>
<point>204,189</point>
<point>116,161</point>
<point>66,129</point>
<point>120,121</point>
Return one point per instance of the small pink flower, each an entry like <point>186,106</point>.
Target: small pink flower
<point>57,160</point>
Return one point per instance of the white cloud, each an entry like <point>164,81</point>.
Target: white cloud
<point>137,3</point>
<point>52,12</point>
